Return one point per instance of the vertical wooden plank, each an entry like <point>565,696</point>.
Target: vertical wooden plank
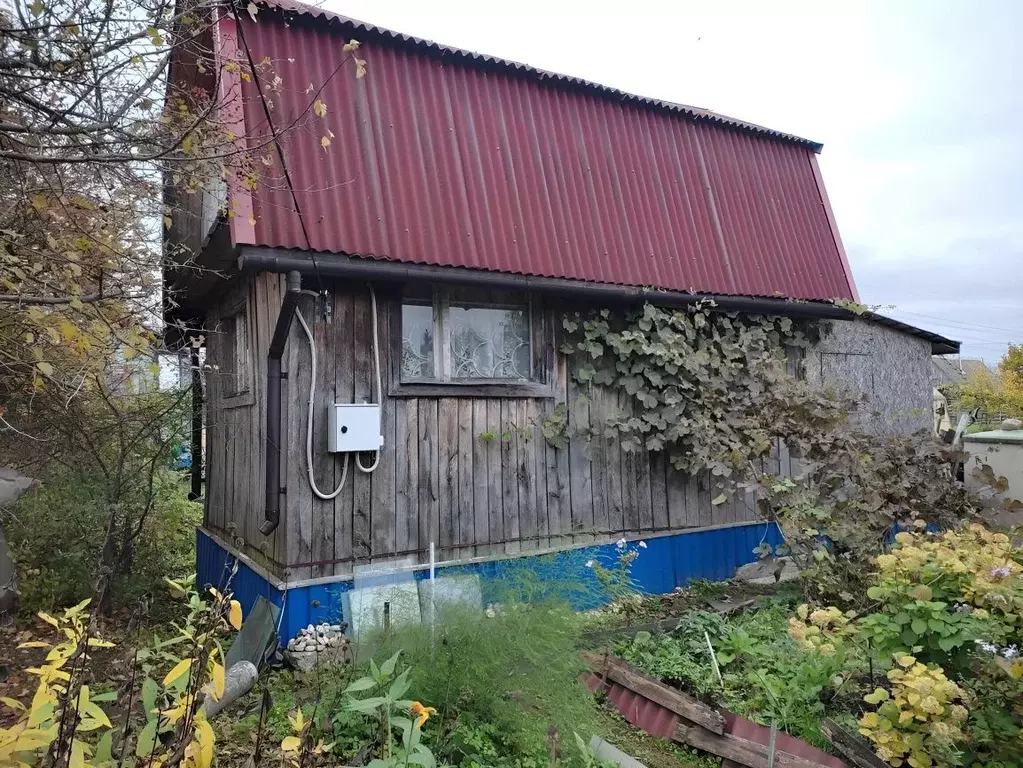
<point>299,497</point>
<point>630,472</point>
<point>382,518</point>
<point>510,485</point>
<point>539,475</point>
<point>704,495</point>
<point>694,517</point>
<point>447,415</point>
<point>659,490</point>
<point>615,482</point>
<point>257,419</point>
<point>526,473</point>
<point>466,514</point>
<point>676,496</point>
<point>599,451</point>
<point>495,477</point>
<point>325,338</point>
<point>275,294</point>
<point>429,474</point>
<point>559,494</point>
<point>643,496</point>
<point>480,472</point>
<point>405,444</point>
<point>362,484</point>
<point>344,392</point>
<point>579,464</point>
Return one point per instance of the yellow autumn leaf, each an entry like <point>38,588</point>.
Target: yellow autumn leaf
<point>12,703</point>
<point>218,676</point>
<point>352,45</point>
<point>234,614</point>
<point>48,618</point>
<point>360,69</point>
<point>204,735</point>
<point>290,744</point>
<point>45,368</point>
<point>179,669</point>
<point>324,142</point>
<point>39,202</point>
<point>319,108</point>
<point>34,644</point>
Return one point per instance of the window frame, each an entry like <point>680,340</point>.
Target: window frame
<point>540,385</point>
<point>245,394</point>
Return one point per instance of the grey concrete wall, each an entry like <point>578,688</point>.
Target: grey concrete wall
<point>889,369</point>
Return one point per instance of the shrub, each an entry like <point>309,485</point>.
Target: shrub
<point>57,533</point>
<point>920,722</point>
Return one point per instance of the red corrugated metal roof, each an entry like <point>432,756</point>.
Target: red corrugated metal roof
<point>444,157</point>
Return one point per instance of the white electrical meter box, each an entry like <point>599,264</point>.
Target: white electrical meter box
<point>354,427</point>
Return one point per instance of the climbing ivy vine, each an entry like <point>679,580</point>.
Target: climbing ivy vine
<point>716,391</point>
<point>704,385</point>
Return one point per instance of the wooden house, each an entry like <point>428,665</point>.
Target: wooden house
<point>430,227</point>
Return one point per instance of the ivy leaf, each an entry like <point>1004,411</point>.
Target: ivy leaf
<point>719,500</point>
<point>324,142</point>
<point>351,45</point>
<point>360,69</point>
<point>319,108</point>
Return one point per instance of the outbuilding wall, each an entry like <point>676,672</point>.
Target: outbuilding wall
<point>890,370</point>
<point>474,475</point>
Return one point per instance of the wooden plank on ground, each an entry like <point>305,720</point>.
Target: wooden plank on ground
<point>741,751</point>
<point>670,698</point>
<point>853,747</point>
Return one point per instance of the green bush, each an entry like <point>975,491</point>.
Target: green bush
<point>56,533</point>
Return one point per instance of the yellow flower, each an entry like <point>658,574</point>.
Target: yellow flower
<point>421,712</point>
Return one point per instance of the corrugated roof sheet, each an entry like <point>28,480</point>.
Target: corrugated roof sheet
<point>459,160</point>
<point>478,59</point>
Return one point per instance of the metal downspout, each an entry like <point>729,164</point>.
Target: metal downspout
<point>272,516</point>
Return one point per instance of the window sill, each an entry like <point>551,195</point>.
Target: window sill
<point>533,389</point>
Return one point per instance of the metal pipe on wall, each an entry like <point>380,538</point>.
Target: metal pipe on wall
<point>272,515</point>
<point>258,259</point>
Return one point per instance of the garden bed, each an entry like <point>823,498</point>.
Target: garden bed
<point>922,669</point>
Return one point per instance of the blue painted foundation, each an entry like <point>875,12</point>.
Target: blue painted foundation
<point>664,563</point>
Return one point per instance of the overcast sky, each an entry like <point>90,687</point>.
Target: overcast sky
<point>919,105</point>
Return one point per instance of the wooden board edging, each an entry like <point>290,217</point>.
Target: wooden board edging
<point>855,749</point>
<point>682,704</point>
<point>741,751</point>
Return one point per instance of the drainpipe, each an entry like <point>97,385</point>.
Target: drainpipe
<point>272,516</point>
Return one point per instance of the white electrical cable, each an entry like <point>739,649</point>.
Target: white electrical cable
<point>312,400</point>
<point>309,422</point>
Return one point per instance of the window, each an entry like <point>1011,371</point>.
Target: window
<point>462,336</point>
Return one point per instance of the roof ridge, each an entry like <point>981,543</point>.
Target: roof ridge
<point>695,113</point>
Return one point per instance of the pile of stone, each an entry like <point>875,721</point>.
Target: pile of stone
<point>318,644</point>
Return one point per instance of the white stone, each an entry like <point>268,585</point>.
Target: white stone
<point>291,644</point>
<point>310,629</point>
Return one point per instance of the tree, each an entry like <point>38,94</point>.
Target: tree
<point>104,104</point>
<point>1011,368</point>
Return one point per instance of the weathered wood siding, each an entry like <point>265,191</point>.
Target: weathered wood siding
<point>888,369</point>
<point>438,479</point>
